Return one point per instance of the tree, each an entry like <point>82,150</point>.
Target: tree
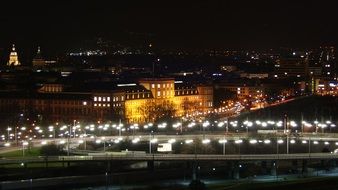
<point>158,112</point>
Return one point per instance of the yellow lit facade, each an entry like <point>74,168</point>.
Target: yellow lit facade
<point>164,93</point>
<point>131,103</point>
<point>13,58</point>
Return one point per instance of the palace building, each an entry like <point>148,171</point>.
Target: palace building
<point>144,101</point>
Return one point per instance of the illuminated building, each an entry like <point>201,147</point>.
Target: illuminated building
<point>132,103</point>
<point>13,58</point>
<point>292,67</point>
<point>38,60</point>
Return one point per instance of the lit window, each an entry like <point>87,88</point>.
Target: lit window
<point>95,105</point>
<point>99,105</point>
<point>122,98</point>
<point>104,105</point>
<point>158,86</point>
<point>117,98</point>
<point>104,99</point>
<point>163,85</point>
<point>108,105</point>
<point>152,85</point>
<point>84,103</point>
<point>95,98</point>
<point>99,99</point>
<point>108,99</point>
<point>158,93</point>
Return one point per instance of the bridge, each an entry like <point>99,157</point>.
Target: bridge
<point>171,157</point>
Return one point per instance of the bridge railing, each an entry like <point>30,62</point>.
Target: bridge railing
<point>168,157</point>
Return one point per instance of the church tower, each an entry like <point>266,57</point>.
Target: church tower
<point>38,60</point>
<point>13,58</point>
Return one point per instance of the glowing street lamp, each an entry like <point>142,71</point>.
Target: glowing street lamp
<point>171,141</point>
<point>135,140</point>
<point>206,141</point>
<point>25,143</point>
<point>153,141</point>
<point>223,142</point>
<point>8,130</point>
<point>239,142</point>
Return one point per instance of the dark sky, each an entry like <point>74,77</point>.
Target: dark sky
<point>58,25</point>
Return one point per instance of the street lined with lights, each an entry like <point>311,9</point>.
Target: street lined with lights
<point>223,131</point>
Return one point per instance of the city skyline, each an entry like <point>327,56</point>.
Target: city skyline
<point>191,25</point>
<point>169,94</point>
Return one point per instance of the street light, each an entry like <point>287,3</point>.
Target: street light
<point>223,141</point>
<point>239,142</point>
<point>25,143</point>
<point>171,141</point>
<point>135,140</point>
<point>8,130</point>
<point>98,141</point>
<point>206,141</point>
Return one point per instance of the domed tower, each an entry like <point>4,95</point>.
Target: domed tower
<point>13,58</point>
<point>38,60</point>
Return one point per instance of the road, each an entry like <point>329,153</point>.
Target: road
<point>170,157</point>
<point>162,138</point>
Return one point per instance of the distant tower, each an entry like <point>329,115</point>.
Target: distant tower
<point>38,60</point>
<point>13,58</point>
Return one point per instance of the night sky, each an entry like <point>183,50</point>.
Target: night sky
<point>57,25</point>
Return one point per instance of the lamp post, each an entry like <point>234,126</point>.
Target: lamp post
<point>8,129</point>
<point>150,144</point>
<point>98,141</point>
<point>25,143</point>
<point>239,142</point>
<point>104,144</point>
<point>309,145</point>
<point>68,140</point>
<point>223,142</point>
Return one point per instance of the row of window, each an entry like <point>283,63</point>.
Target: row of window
<point>101,99</point>
<point>164,85</point>
<point>185,92</point>
<point>137,96</point>
<point>107,99</point>
<point>101,105</point>
<point>164,93</point>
